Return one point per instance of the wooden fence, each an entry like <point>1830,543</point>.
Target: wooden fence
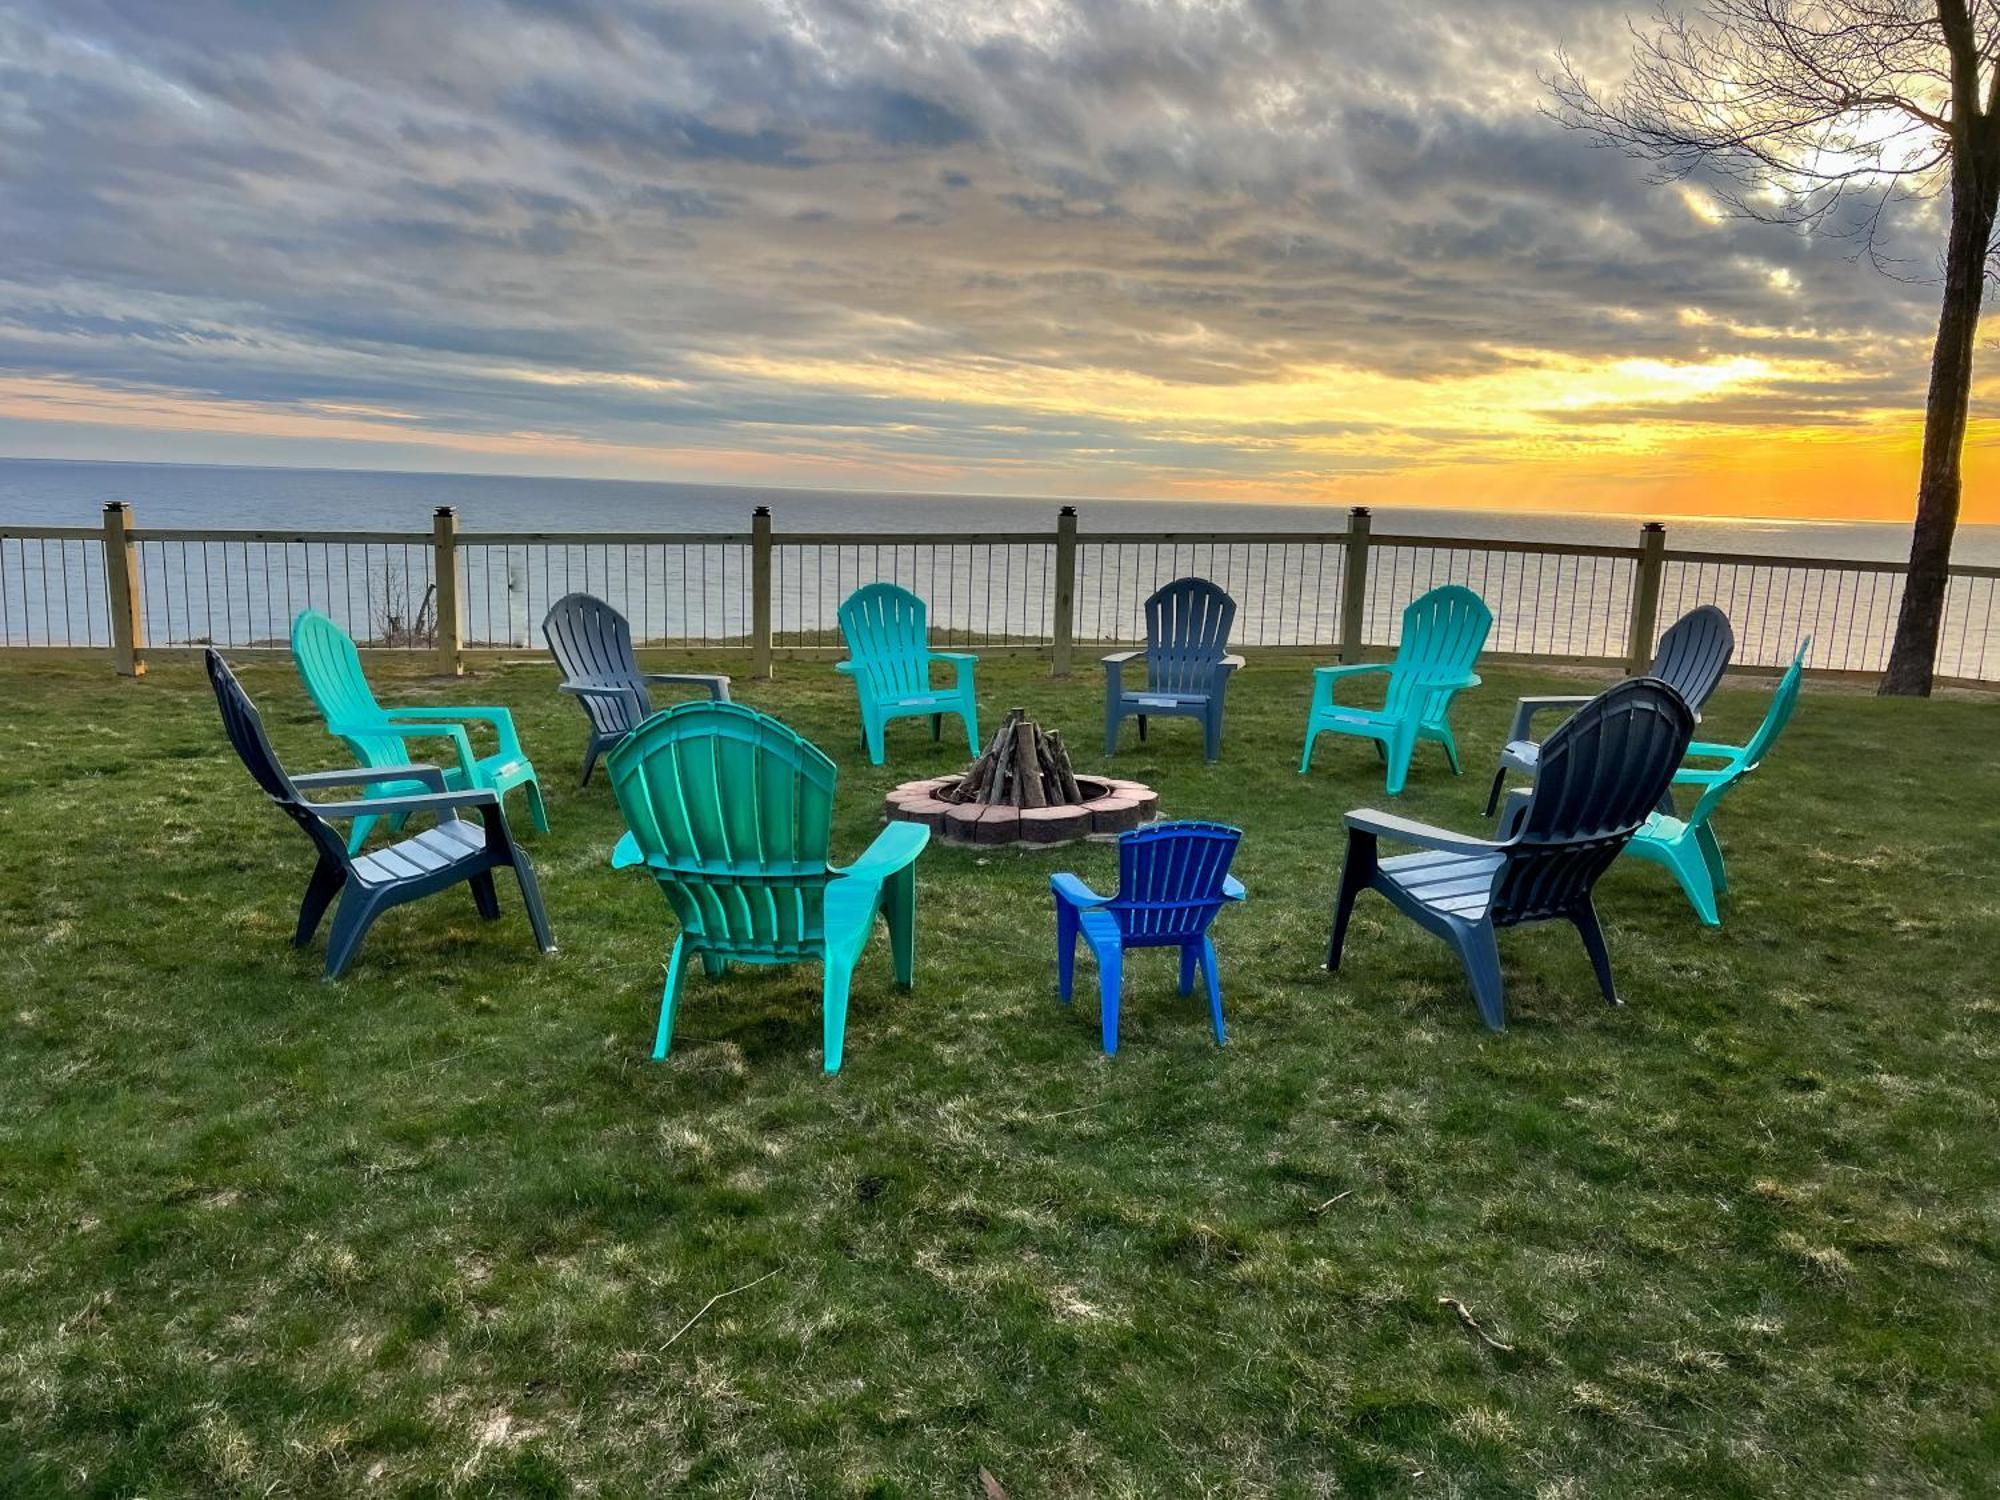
<point>131,592</point>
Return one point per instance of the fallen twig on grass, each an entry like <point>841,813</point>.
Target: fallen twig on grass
<point>719,1296</point>
<point>990,1485</point>
<point>1465,1316</point>
<point>1316,1212</point>
<point>1037,1119</point>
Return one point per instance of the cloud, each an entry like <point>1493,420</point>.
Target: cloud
<point>1103,244</point>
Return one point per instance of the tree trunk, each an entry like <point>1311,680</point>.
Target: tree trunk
<point>1913,657</point>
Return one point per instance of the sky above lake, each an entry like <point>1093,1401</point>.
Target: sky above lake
<point>1276,250</point>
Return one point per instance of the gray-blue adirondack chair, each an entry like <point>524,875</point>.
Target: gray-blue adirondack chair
<point>1602,773</point>
<point>455,850</point>
<point>1187,664</point>
<point>592,644</point>
<point>1690,659</point>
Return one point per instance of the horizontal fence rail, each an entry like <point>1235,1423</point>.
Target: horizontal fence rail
<point>131,591</point>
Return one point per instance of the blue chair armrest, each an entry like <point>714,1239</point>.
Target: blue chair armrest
<point>447,803</point>
<point>1232,663</point>
<point>895,848</point>
<point>717,683</point>
<point>1068,887</point>
<point>1409,831</point>
<point>1232,889</point>
<point>1525,710</point>
<point>1120,658</point>
<point>312,781</point>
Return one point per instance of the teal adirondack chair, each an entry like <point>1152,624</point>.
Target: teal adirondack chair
<point>331,669</point>
<point>889,657</point>
<point>1687,846</point>
<point>1443,634</point>
<point>731,813</point>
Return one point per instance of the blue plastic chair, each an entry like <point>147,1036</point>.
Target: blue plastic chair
<point>1602,773</point>
<point>1688,846</point>
<point>1691,658</point>
<point>887,630</point>
<point>1172,880</point>
<point>1443,633</point>
<point>1187,664</point>
<point>592,643</point>
<point>455,850</point>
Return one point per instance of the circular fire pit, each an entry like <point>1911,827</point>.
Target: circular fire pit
<point>1022,791</point>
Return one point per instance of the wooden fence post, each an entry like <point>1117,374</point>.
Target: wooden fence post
<point>1646,597</point>
<point>444,573</point>
<point>1064,633</point>
<point>121,586</point>
<point>1354,586</point>
<point>760,591</point>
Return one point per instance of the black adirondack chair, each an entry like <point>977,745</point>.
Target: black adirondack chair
<point>1601,774</point>
<point>1187,664</point>
<point>592,643</point>
<point>1692,656</point>
<point>369,884</point>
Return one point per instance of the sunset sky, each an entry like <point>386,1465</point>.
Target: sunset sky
<point>1278,250</point>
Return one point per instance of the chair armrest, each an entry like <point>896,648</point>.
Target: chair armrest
<point>895,848</point>
<point>1709,750</point>
<point>847,668</point>
<point>1120,658</point>
<point>1525,710</point>
<point>1232,889</point>
<point>1697,776</point>
<point>626,853</point>
<point>1409,831</point>
<point>956,656</point>
<point>313,781</point>
<point>717,683</point>
<point>385,807</point>
<point>1068,887</point>
<point>1353,669</point>
<point>453,732</point>
<point>1232,663</point>
<point>501,719</point>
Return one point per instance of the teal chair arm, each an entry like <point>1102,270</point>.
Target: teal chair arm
<point>501,719</point>
<point>453,732</point>
<point>1387,825</point>
<point>1327,680</point>
<point>956,656</point>
<point>1232,889</point>
<point>895,848</point>
<point>313,781</point>
<point>847,668</point>
<point>962,663</point>
<point>1068,887</point>
<point>627,853</point>
<point>1709,750</point>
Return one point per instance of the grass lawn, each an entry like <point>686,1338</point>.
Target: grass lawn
<point>440,1228</point>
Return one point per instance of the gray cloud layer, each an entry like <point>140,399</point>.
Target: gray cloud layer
<point>472,213</point>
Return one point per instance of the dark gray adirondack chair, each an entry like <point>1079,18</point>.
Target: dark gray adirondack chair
<point>1692,656</point>
<point>1602,773</point>
<point>1187,670</point>
<point>592,643</point>
<point>369,884</point>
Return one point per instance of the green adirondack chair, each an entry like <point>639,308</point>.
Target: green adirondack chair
<point>331,669</point>
<point>1443,634</point>
<point>1687,846</point>
<point>731,813</point>
<point>889,657</point>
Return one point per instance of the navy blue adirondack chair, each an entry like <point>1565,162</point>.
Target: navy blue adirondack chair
<point>1187,665</point>
<point>1172,880</point>
<point>592,643</point>
<point>1691,658</point>
<point>1601,774</point>
<point>369,884</point>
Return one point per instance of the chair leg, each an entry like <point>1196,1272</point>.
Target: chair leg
<point>531,898</point>
<point>1211,734</point>
<point>1592,933</point>
<point>1479,950</point>
<point>1398,753</point>
<point>970,716</point>
<point>714,965</point>
<point>1111,719</point>
<point>1711,854</point>
<point>484,897</point>
<point>1306,755</point>
<point>1067,928</point>
<point>1451,748</point>
<point>1690,868</point>
<point>1499,785</point>
<point>589,763</point>
<point>900,905</point>
<point>872,737</point>
<point>1142,728</point>
<point>358,834</point>
<point>536,809</point>
<point>327,879</point>
<point>937,728</point>
<point>351,920</point>
<point>833,1004</point>
<point>1355,874</point>
<point>1110,980</point>
<point>1212,976</point>
<point>1190,958</point>
<point>670,996</point>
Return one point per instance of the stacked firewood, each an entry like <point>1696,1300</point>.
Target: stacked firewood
<point>1022,767</point>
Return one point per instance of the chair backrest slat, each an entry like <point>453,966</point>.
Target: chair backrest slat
<point>245,728</point>
<point>1187,634</point>
<point>330,666</point>
<point>1784,698</point>
<point>734,812</point>
<point>1601,774</point>
<point>1694,653</point>
<point>887,629</point>
<point>592,642</point>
